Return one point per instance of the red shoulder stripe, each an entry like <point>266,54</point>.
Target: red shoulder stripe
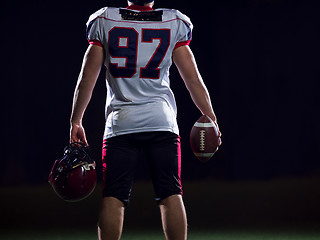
<point>180,44</point>
<point>95,42</point>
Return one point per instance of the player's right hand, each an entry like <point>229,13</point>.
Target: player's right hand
<point>77,134</point>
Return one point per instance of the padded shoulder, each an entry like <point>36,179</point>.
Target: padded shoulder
<point>100,12</point>
<point>176,14</point>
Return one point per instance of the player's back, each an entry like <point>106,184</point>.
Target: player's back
<point>138,47</point>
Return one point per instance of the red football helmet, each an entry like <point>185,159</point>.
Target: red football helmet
<point>74,177</point>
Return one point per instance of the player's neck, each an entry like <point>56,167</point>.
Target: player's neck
<point>140,8</point>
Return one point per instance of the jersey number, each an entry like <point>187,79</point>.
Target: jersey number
<point>123,43</point>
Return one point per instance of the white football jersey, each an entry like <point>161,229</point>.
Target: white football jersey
<point>138,48</point>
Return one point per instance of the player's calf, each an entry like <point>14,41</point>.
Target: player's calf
<point>174,219</point>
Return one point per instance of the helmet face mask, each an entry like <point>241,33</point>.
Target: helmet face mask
<point>73,177</point>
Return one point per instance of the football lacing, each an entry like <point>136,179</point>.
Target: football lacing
<point>202,138</point>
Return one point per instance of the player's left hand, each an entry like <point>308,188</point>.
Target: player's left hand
<point>77,134</point>
<point>219,132</point>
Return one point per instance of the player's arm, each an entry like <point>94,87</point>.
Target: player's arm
<point>186,64</point>
<point>91,65</point>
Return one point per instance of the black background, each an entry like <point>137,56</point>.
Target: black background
<point>259,60</point>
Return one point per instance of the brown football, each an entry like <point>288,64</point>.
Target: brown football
<point>204,138</point>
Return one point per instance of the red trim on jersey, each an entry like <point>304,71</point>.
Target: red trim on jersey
<point>142,21</point>
<point>140,8</point>
<point>95,42</point>
<point>180,44</point>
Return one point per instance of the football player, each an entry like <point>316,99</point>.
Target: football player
<point>137,45</point>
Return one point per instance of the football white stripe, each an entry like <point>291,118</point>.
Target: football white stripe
<point>204,154</point>
<point>198,124</point>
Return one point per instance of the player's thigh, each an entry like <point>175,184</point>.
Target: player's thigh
<point>164,158</point>
<point>120,156</point>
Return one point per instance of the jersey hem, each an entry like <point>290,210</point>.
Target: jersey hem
<point>114,134</point>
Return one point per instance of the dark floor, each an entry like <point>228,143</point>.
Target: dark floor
<point>282,203</point>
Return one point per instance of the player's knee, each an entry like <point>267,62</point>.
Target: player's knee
<point>173,199</point>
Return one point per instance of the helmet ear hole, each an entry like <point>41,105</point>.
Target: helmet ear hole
<point>73,177</point>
